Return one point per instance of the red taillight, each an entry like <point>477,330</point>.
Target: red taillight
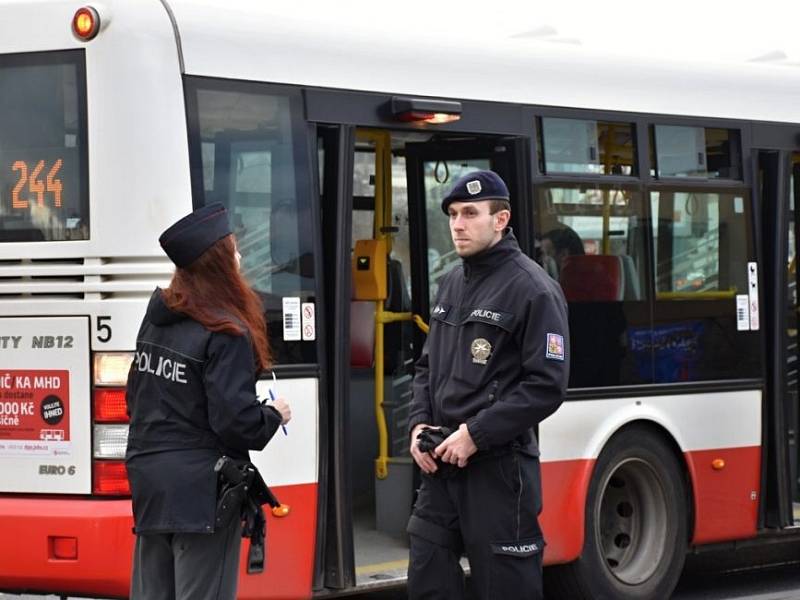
<point>109,405</point>
<point>86,23</point>
<point>412,116</point>
<point>110,478</point>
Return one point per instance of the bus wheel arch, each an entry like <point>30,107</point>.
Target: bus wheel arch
<point>638,519</point>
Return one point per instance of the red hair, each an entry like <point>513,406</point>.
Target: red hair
<point>212,291</point>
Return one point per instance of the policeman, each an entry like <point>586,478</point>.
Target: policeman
<point>191,398</point>
<point>495,364</point>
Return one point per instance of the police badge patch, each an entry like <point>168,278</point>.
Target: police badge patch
<point>481,351</point>
<point>555,347</point>
<point>474,187</point>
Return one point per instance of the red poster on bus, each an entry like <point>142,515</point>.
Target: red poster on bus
<point>34,412</point>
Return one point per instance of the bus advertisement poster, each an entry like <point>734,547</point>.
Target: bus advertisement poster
<point>34,412</point>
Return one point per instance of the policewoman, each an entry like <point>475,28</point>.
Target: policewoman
<point>191,399</point>
<point>495,364</point>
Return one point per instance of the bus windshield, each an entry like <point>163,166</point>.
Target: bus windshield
<point>43,172</point>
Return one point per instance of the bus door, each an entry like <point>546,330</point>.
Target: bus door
<point>397,229</point>
<point>779,190</point>
<point>792,357</point>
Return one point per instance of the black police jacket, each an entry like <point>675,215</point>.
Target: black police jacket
<point>497,355</point>
<point>191,398</point>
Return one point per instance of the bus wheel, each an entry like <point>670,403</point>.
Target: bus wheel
<point>636,523</point>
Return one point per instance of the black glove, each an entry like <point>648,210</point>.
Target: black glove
<point>427,440</point>
<point>430,437</point>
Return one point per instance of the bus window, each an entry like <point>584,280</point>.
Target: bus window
<point>702,244</point>
<point>44,190</point>
<point>245,136</point>
<point>592,240</point>
<point>580,146</point>
<point>679,151</point>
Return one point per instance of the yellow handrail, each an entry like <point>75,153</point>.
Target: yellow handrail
<point>383,218</point>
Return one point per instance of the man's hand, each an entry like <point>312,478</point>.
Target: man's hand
<point>423,459</point>
<point>457,448</point>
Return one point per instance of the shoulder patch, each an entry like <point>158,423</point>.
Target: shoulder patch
<point>555,346</point>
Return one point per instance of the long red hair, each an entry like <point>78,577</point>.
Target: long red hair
<point>213,292</point>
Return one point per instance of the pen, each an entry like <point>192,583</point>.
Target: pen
<point>272,397</point>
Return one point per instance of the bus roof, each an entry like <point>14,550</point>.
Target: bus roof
<point>257,40</point>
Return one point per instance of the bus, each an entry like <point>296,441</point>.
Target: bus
<point>661,195</point>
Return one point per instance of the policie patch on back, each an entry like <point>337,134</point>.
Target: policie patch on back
<point>555,347</point>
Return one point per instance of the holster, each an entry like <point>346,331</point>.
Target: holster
<point>240,495</point>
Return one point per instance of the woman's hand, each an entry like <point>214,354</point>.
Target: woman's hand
<point>283,407</point>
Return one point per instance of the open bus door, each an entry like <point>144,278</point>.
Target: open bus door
<point>383,186</point>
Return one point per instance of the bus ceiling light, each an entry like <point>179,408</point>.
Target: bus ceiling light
<point>424,110</point>
<point>85,23</point>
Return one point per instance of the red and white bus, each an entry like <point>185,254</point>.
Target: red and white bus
<point>661,195</point>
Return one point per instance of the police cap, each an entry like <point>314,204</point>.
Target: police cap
<point>475,186</point>
<point>195,233</point>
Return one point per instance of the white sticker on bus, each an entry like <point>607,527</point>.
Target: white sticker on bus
<point>752,292</point>
<point>309,322</point>
<point>742,312</point>
<point>291,319</point>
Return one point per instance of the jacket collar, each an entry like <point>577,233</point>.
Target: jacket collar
<point>492,257</point>
<point>158,313</point>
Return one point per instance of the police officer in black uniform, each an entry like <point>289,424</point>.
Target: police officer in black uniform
<point>191,398</point>
<point>495,364</point>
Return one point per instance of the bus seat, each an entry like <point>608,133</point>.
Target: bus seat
<point>362,333</point>
<point>593,278</point>
<point>633,289</point>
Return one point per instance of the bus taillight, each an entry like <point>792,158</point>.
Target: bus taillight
<point>109,406</point>
<point>109,478</point>
<point>110,426</point>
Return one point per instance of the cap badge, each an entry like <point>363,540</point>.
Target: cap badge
<point>481,350</point>
<point>474,187</point>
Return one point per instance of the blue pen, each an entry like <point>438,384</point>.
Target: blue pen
<point>272,397</point>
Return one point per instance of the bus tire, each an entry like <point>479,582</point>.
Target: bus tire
<point>636,528</point>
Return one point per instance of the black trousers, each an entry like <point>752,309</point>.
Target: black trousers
<point>187,566</point>
<point>489,510</point>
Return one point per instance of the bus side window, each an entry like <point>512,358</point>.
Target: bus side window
<point>591,240</point>
<point>245,136</point>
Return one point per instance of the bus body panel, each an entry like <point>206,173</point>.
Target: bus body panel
<point>288,465</point>
<point>101,533</point>
<point>403,58</point>
<point>135,106</point>
<point>705,426</point>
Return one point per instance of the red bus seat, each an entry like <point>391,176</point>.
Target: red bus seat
<point>592,278</point>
